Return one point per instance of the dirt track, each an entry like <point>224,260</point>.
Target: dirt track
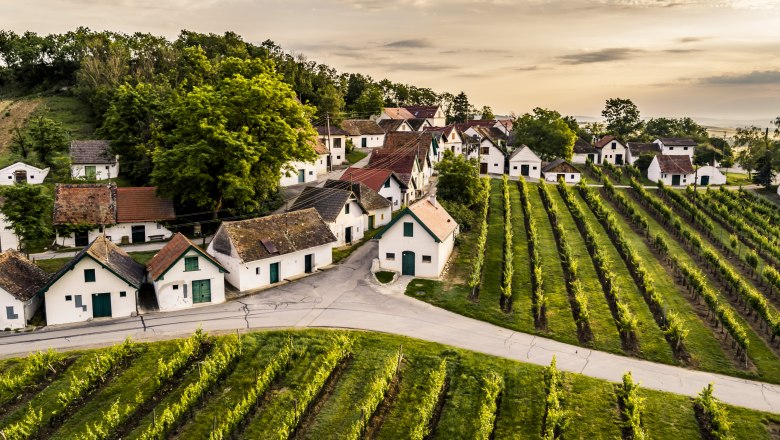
<point>17,114</point>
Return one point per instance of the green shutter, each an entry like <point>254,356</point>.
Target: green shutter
<point>89,275</point>
<point>408,229</point>
<point>191,264</point>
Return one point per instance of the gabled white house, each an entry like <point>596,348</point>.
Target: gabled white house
<point>677,146</point>
<point>339,209</point>
<point>20,172</point>
<point>264,251</point>
<point>122,215</point>
<point>392,125</point>
<point>612,150</point>
<point>296,173</point>
<point>491,157</point>
<point>335,141</point>
<point>451,140</point>
<point>405,165</point>
<point>378,209</point>
<point>101,281</point>
<point>420,144</point>
<point>364,133</point>
<point>709,175</point>
<point>419,124</point>
<point>8,238</point>
<point>397,113</point>
<point>184,275</point>
<point>92,160</point>
<point>584,151</point>
<point>419,240</point>
<point>561,169</point>
<point>638,149</point>
<point>383,181</point>
<point>524,162</point>
<point>675,170</point>
<point>20,281</point>
<point>432,113</point>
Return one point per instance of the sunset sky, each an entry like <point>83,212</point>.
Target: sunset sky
<point>711,59</point>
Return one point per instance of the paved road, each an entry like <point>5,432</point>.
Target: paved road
<point>346,297</point>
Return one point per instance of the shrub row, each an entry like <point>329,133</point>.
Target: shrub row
<point>509,270</point>
<point>36,366</point>
<point>614,170</point>
<point>476,273</point>
<point>373,396</point>
<point>538,296</point>
<point>729,200</point>
<point>555,416</point>
<point>492,386</point>
<point>427,403</point>
<point>757,203</point>
<point>188,350</point>
<point>95,372</point>
<point>631,407</point>
<point>712,415</point>
<point>25,428</point>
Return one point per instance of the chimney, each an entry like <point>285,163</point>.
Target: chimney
<point>432,199</point>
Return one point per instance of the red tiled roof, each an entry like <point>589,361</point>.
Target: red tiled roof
<point>93,204</point>
<point>373,178</point>
<point>422,111</point>
<point>142,204</point>
<point>675,164</point>
<point>398,113</point>
<point>171,253</point>
<point>401,162</point>
<point>601,143</point>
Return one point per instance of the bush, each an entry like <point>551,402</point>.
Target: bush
<point>465,217</point>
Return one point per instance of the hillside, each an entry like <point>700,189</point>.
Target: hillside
<point>325,384</point>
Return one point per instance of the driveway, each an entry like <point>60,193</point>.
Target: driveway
<point>347,297</point>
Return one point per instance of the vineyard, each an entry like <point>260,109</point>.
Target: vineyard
<point>679,276</point>
<point>327,384</point>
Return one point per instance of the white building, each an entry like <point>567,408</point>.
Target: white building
<point>122,215</point>
<point>584,151</point>
<point>335,141</point>
<point>561,169</point>
<point>264,251</point>
<point>378,209</point>
<point>451,140</point>
<point>101,281</point>
<point>709,175</point>
<point>184,275</point>
<point>364,133</point>
<point>677,146</point>
<point>296,173</point>
<point>92,160</point>
<point>8,239</point>
<point>524,162</point>
<point>393,113</point>
<point>612,150</point>
<point>491,157</point>
<point>432,113</point>
<point>676,170</point>
<point>339,209</point>
<point>20,172</point>
<point>638,149</point>
<point>383,181</point>
<point>419,241</point>
<point>20,281</point>
<point>405,165</point>
<point>392,125</point>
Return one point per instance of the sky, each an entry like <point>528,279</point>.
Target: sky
<point>706,59</point>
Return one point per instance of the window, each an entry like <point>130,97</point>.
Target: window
<point>390,256</point>
<point>495,164</point>
<point>515,167</point>
<point>257,271</point>
<point>337,143</point>
<point>175,287</point>
<point>382,217</point>
<point>190,264</point>
<point>572,176</point>
<point>685,148</point>
<point>346,208</point>
<point>89,275</point>
<point>614,145</point>
<point>9,313</point>
<point>311,173</point>
<point>387,183</point>
<point>408,229</point>
<point>485,150</point>
<point>671,148</point>
<point>159,226</point>
<point>122,294</point>
<point>426,258</point>
<point>338,157</point>
<point>68,297</point>
<point>534,167</point>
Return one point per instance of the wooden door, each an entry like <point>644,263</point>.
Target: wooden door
<point>308,263</point>
<point>676,180</point>
<point>274,273</point>
<point>101,305</point>
<point>139,234</point>
<point>201,291</point>
<point>407,263</point>
<point>524,170</point>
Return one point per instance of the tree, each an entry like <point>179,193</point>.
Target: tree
<point>460,108</point>
<point>458,179</point>
<point>622,117</point>
<point>672,127</point>
<point>370,102</point>
<point>20,143</point>
<point>47,138</point>
<point>546,133</point>
<point>487,113</point>
<point>27,209</point>
<point>575,126</point>
<point>760,153</point>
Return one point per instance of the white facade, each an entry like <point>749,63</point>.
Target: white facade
<point>614,152</point>
<point>174,287</point>
<point>454,143</point>
<point>102,171</point>
<point>526,163</point>
<point>391,190</point>
<point>491,158</point>
<point>567,177</point>
<point>21,172</point>
<point>381,217</point>
<point>583,158</point>
<point>709,175</point>
<point>368,140</point>
<point>351,216</point>
<point>122,233</point>
<point>676,151</point>
<point>8,239</point>
<point>654,174</point>
<point>429,256</point>
<point>16,313</point>
<point>337,147</point>
<point>304,172</point>
<point>69,299</point>
<point>256,274</point>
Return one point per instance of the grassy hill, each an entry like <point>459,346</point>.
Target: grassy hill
<point>318,384</point>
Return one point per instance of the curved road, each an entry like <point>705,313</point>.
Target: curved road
<point>346,297</point>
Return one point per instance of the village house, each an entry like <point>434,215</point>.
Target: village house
<point>383,181</point>
<point>419,240</point>
<point>449,140</point>
<point>296,173</point>
<point>124,215</point>
<point>709,175</point>
<point>263,251</point>
<point>396,113</point>
<point>92,160</point>
<point>364,133</point>
<point>8,238</point>
<point>584,151</point>
<point>524,162</point>
<point>421,144</point>
<point>391,125</point>
<point>561,169</point>
<point>677,146</point>
<point>492,153</point>
<point>184,275</point>
<point>673,170</point>
<point>432,113</point>
<point>612,150</point>
<point>21,172</point>
<point>20,281</point>
<point>404,164</point>
<point>378,209</point>
<point>339,209</point>
<point>419,124</point>
<point>635,150</point>
<point>101,281</point>
<point>335,141</point>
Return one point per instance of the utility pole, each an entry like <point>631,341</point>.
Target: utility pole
<point>330,154</point>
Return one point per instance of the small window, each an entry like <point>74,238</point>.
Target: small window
<point>671,148</point>
<point>534,167</point>
<point>89,275</point>
<point>572,176</point>
<point>382,217</point>
<point>515,167</point>
<point>68,297</point>
<point>122,294</point>
<point>190,264</point>
<point>10,177</point>
<point>387,183</point>
<point>346,208</point>
<point>408,229</point>
<point>311,173</point>
<point>159,226</point>
<point>495,164</point>
<point>426,258</point>
<point>390,256</point>
<point>9,313</point>
<point>614,145</point>
<point>338,157</point>
<point>175,287</point>
<point>106,166</point>
<point>685,148</point>
<point>257,271</point>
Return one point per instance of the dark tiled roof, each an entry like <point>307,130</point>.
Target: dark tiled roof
<point>417,123</point>
<point>328,202</point>
<point>110,256</point>
<point>366,196</point>
<point>171,253</point>
<point>141,204</point>
<point>637,148</point>
<point>494,135</point>
<point>413,142</point>
<point>91,152</point>
<point>675,164</point>
<point>678,142</point>
<point>19,276</point>
<point>358,127</point>
<point>422,111</point>
<point>463,126</point>
<point>373,178</point>
<point>559,166</point>
<point>581,146</point>
<point>285,233</point>
<point>389,125</point>
<point>400,161</point>
<point>334,130</point>
<point>93,204</point>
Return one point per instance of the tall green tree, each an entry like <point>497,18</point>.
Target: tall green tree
<point>546,133</point>
<point>460,108</point>
<point>370,102</point>
<point>458,179</point>
<point>47,138</point>
<point>27,208</point>
<point>622,117</point>
<point>487,113</point>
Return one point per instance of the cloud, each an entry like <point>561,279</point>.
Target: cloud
<point>600,56</point>
<point>681,50</point>
<point>525,68</point>
<point>766,77</point>
<point>412,43</point>
<point>692,39</point>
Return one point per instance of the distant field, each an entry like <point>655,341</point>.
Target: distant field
<point>13,114</point>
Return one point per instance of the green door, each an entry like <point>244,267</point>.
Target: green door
<point>348,235</point>
<point>407,263</point>
<point>274,273</point>
<point>618,159</point>
<point>101,305</point>
<point>364,143</point>
<point>301,176</point>
<point>90,172</point>
<point>371,220</point>
<point>705,180</point>
<point>676,180</point>
<point>308,262</point>
<point>201,291</point>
